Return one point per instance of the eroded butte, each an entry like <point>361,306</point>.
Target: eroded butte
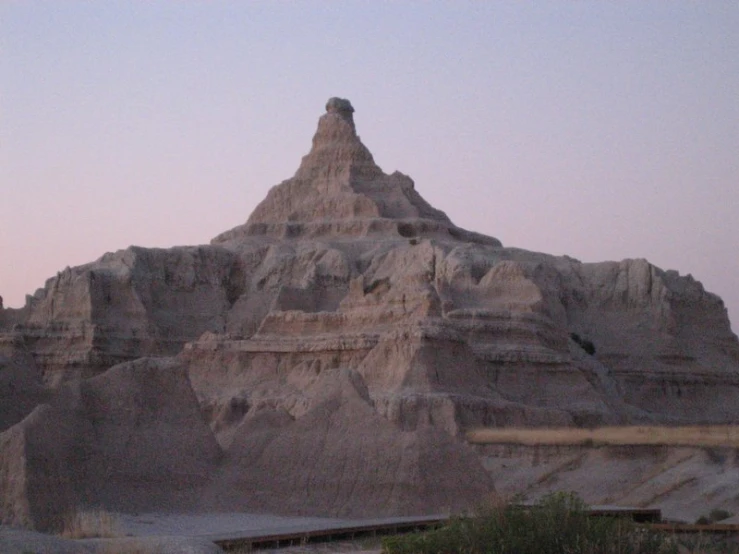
<point>327,356</point>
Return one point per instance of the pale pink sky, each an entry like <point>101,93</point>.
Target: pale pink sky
<point>599,130</point>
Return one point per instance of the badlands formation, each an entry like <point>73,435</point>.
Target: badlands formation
<point>327,356</point>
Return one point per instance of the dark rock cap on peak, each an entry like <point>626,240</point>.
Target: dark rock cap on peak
<point>339,105</point>
<point>340,191</point>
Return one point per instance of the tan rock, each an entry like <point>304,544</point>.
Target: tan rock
<point>339,343</point>
<point>341,458</point>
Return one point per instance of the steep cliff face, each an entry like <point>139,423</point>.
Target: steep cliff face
<point>346,274</point>
<point>21,385</point>
<point>127,304</point>
<point>665,339</point>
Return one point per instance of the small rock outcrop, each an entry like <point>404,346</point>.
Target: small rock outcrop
<point>338,344</point>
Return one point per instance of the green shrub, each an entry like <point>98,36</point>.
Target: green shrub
<point>559,524</point>
<point>714,516</point>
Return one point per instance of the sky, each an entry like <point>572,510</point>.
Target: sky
<point>600,130</point>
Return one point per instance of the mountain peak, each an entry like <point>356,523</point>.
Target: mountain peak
<point>342,107</point>
<point>339,190</point>
<point>337,155</point>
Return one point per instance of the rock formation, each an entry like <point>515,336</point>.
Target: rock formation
<point>346,460</point>
<point>339,343</point>
<point>132,438</point>
<point>683,482</point>
<point>21,385</point>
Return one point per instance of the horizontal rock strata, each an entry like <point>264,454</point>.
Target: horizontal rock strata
<point>330,353</point>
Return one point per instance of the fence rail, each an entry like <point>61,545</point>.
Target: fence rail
<point>333,533</point>
<point>394,526</point>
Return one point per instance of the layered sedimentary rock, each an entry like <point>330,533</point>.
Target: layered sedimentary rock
<point>349,313</point>
<point>126,305</point>
<point>684,482</point>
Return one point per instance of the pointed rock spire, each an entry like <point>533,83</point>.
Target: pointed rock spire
<point>339,190</point>
<point>337,155</point>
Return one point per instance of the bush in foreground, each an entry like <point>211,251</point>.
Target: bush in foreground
<point>558,525</point>
<point>713,517</point>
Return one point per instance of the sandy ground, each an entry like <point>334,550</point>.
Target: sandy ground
<point>20,541</point>
<point>160,532</point>
<point>195,533</point>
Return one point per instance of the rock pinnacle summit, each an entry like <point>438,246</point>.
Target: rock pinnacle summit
<point>341,106</point>
<point>339,191</point>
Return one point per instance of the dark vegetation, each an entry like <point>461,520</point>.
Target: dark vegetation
<point>558,525</point>
<point>713,517</point>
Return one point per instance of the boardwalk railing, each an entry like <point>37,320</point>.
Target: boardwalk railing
<point>391,526</point>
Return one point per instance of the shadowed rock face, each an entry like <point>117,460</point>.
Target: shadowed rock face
<point>131,439</point>
<point>21,386</point>
<point>349,313</point>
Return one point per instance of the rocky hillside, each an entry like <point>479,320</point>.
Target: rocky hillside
<point>340,341</point>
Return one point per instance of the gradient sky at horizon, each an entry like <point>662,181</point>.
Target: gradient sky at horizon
<point>599,130</point>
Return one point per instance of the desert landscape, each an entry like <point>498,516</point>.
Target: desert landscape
<point>349,352</point>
